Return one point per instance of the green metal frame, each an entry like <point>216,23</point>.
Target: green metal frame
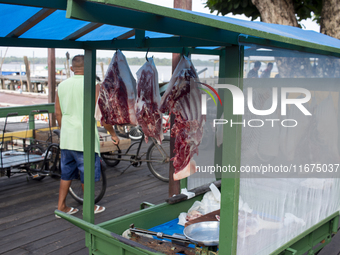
<point>231,64</point>
<point>306,241</point>
<point>89,137</point>
<point>26,110</point>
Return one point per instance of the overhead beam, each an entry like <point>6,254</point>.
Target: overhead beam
<point>83,31</point>
<point>113,15</point>
<point>51,4</point>
<point>39,43</point>
<point>31,22</point>
<point>126,35</point>
<point>169,50</point>
<point>154,42</point>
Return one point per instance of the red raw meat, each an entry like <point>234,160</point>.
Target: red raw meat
<point>116,99</point>
<point>148,100</point>
<point>183,99</point>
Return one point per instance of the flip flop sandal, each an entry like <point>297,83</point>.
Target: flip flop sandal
<point>98,210</point>
<point>71,211</point>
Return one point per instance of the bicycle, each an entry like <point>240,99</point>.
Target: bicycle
<point>136,133</point>
<point>157,157</point>
<point>37,158</point>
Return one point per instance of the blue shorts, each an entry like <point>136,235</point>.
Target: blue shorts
<point>72,161</point>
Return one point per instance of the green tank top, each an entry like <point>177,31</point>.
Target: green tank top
<point>71,98</point>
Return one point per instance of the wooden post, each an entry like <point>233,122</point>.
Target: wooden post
<point>174,186</point>
<point>51,82</point>
<point>68,65</point>
<point>11,85</point>
<point>28,73</point>
<point>102,67</point>
<point>2,83</point>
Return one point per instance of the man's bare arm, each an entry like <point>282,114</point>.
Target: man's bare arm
<point>57,110</point>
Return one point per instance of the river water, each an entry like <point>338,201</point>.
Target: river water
<point>164,72</point>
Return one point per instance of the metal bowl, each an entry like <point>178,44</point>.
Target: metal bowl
<point>206,232</point>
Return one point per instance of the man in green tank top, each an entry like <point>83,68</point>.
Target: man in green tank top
<point>69,114</point>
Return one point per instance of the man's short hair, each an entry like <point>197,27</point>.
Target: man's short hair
<point>78,61</point>
<point>270,64</point>
<point>257,64</point>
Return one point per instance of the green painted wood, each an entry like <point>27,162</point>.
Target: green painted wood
<point>115,15</point>
<point>183,183</point>
<point>40,43</point>
<point>107,45</point>
<point>139,38</point>
<point>89,134</point>
<point>172,42</point>
<point>53,4</point>
<point>231,154</point>
<point>99,236</point>
<point>302,241</point>
<point>207,22</point>
<point>304,47</point>
<point>221,74</point>
<point>25,110</point>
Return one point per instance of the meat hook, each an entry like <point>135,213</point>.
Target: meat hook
<point>146,55</point>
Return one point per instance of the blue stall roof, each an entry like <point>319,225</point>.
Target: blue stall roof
<point>45,23</point>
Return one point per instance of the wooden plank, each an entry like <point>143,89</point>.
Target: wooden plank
<point>83,31</point>
<point>31,22</point>
<point>51,82</point>
<point>56,241</point>
<point>207,217</point>
<point>18,251</point>
<point>26,133</point>
<point>106,144</point>
<point>28,74</point>
<point>70,248</point>
<point>66,240</point>
<point>198,191</point>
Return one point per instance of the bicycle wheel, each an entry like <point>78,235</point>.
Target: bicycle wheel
<point>135,133</point>
<point>111,158</point>
<point>38,150</point>
<point>161,154</point>
<point>76,190</point>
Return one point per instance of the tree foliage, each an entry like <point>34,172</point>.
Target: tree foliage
<point>303,9</point>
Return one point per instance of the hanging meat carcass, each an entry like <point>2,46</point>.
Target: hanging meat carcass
<point>116,99</point>
<point>148,101</point>
<point>183,99</point>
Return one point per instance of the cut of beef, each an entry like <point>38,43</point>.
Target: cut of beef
<point>183,99</point>
<point>148,100</point>
<point>116,99</point>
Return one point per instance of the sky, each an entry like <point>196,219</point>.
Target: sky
<point>197,5</point>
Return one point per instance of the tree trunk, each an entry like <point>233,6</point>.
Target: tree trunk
<point>330,18</point>
<point>330,25</point>
<point>282,12</point>
<point>277,11</point>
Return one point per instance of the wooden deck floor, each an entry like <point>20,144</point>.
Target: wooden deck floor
<point>28,224</point>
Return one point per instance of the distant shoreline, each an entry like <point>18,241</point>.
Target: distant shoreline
<point>131,61</point>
